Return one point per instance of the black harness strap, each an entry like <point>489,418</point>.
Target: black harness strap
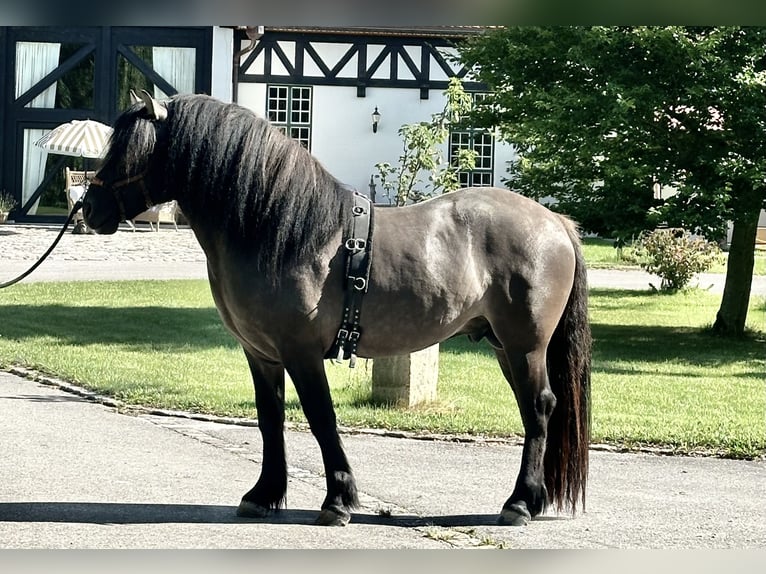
<point>358,249</point>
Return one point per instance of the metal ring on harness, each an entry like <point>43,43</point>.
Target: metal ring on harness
<point>359,283</point>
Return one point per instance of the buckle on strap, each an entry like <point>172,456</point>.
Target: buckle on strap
<point>340,341</point>
<point>351,335</point>
<point>347,341</point>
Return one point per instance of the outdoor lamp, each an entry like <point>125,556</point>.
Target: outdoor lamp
<point>375,120</point>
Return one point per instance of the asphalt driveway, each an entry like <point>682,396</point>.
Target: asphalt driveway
<point>79,474</point>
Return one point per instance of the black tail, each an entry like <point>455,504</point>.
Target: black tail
<point>569,364</point>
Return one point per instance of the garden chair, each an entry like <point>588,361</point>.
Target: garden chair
<point>160,213</point>
<point>74,186</point>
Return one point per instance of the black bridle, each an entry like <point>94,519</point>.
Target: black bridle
<point>116,187</point>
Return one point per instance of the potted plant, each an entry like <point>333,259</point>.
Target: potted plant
<point>7,202</point>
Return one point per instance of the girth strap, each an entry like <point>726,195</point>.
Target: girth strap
<point>358,249</point>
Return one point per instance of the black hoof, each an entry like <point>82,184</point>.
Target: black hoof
<point>514,515</point>
<point>247,509</point>
<point>333,516</point>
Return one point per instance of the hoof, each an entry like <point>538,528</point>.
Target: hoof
<point>247,509</point>
<point>515,515</point>
<point>333,516</point>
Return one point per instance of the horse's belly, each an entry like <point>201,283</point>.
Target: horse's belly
<point>403,323</point>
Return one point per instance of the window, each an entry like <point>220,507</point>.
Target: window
<point>70,72</point>
<point>160,70</point>
<point>481,142</point>
<point>289,109</point>
<point>70,89</point>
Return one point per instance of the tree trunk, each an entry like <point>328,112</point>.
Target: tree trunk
<point>731,316</point>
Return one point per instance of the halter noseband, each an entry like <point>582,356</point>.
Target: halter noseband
<point>115,189</point>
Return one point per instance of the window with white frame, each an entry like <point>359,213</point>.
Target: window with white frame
<point>289,109</point>
<point>482,143</point>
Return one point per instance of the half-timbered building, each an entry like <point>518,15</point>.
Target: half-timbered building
<point>323,85</point>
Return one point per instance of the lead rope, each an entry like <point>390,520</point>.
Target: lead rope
<point>76,207</point>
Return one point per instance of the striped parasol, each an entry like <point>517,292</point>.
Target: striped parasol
<point>79,138</point>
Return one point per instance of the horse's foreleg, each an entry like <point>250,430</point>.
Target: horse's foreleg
<point>269,491</point>
<point>314,392</point>
<point>526,372</point>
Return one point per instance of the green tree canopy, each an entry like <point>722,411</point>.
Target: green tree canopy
<point>603,116</point>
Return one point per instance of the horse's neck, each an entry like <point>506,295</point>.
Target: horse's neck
<point>211,238</point>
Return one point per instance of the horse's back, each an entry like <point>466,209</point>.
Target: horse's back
<point>494,227</point>
<point>486,207</point>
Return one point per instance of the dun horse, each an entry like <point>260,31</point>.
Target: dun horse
<point>273,224</point>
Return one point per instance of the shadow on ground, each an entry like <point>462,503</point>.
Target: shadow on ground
<point>128,513</point>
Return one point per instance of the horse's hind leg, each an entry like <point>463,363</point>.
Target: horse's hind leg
<point>269,491</point>
<point>314,393</point>
<point>526,372</point>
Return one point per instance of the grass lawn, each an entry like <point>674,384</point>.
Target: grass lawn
<point>658,379</point>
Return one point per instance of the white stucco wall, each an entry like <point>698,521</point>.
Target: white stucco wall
<point>343,139</point>
<point>342,136</point>
<point>252,96</point>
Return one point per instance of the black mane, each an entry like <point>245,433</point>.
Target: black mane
<point>234,171</point>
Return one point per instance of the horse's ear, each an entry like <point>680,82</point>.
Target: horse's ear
<point>157,110</point>
<point>134,99</point>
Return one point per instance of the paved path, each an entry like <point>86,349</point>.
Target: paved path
<point>141,254</point>
<point>78,474</point>
<point>169,254</point>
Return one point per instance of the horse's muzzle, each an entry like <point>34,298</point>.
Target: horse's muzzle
<point>106,225</point>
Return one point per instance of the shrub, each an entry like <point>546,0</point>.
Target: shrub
<point>675,256</point>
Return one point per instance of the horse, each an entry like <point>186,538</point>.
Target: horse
<point>483,262</point>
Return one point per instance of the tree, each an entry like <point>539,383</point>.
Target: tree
<point>601,116</point>
<point>422,152</point>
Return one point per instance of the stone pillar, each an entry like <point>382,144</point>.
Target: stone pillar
<point>406,380</point>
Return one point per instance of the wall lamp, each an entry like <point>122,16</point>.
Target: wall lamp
<point>375,120</point>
